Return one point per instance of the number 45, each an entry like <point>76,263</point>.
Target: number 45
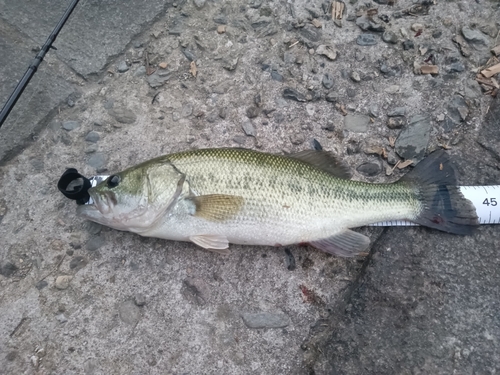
<point>492,201</point>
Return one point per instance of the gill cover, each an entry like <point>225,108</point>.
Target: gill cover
<point>136,198</point>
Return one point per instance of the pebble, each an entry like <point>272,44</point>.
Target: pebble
<point>140,299</point>
<point>129,312</point>
<point>122,67</point>
<point>356,123</point>
<point>62,282</point>
<point>230,63</point>
<point>289,57</point>
<point>366,40</point>
<point>374,110</point>
<point>61,318</point>
<point>276,76</point>
<point>456,67</point>
<point>369,169</point>
<point>240,139</point>
<point>265,320</point>
<point>472,90</point>
<point>297,138</point>
<point>77,263</point>
<point>189,54</point>
<point>70,125</point>
<point>310,32</point>
<point>408,44</point>
<point>41,284</point>
<point>396,122</point>
<point>327,51</point>
<point>390,37</point>
<point>332,97</point>
<point>223,112</point>
<point>367,24</point>
<point>327,81</point>
<point>123,115</point>
<point>92,137</point>
<point>186,110</point>
<point>290,260</point>
<point>474,36</point>
<point>397,111</point>
<point>293,94</point>
<point>199,3</point>
<point>310,109</point>
<point>248,128</point>
<point>95,243</point>
<point>97,160</point>
<point>458,109</point>
<point>140,71</point>
<point>355,76</point>
<point>413,140</point>
<point>417,26</point>
<point>158,79</point>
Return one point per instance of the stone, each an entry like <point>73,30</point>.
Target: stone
<point>356,123</point>
<point>311,33</point>
<point>140,299</point>
<point>390,37</point>
<point>396,122</point>
<point>417,27</point>
<point>240,139</point>
<point>368,24</point>
<point>293,94</point>
<point>129,312</point>
<point>327,81</point>
<point>412,142</point>
<point>97,160</point>
<point>158,79</point>
<point>408,44</point>
<point>62,282</point>
<point>92,137</point>
<point>297,138</point>
<point>199,3</point>
<point>289,57</point>
<point>265,320</point>
<point>472,89</point>
<point>140,71</point>
<point>248,128</point>
<point>189,54</point>
<point>41,284</point>
<point>458,109</point>
<point>230,63</point>
<point>70,125</point>
<point>123,115</point>
<point>366,40</point>
<point>276,76</point>
<point>369,169</point>
<point>374,110</point>
<point>186,110</point>
<point>61,318</point>
<point>122,67</point>
<point>355,76</point>
<point>95,243</point>
<point>397,111</point>
<point>332,97</point>
<point>77,263</point>
<point>328,51</point>
<point>456,67</point>
<point>475,36</point>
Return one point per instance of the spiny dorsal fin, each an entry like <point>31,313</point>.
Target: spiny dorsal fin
<point>217,207</point>
<point>325,161</point>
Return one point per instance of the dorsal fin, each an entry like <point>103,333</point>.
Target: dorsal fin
<point>325,161</point>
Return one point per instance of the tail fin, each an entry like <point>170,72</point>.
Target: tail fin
<point>443,205</point>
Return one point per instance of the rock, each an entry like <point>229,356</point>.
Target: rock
<point>140,71</point>
<point>92,137</point>
<point>290,260</point>
<point>472,90</point>
<point>297,138</point>
<point>374,110</point>
<point>456,67</point>
<point>289,57</point>
<point>248,128</point>
<point>366,40</point>
<point>221,19</point>
<point>77,263</point>
<point>140,299</point>
<point>158,79</point>
<point>230,63</point>
<point>311,33</point>
<point>199,3</point>
<point>186,110</point>
<point>293,94</point>
<point>327,81</point>
<point>223,113</point>
<point>412,142</point>
<point>123,115</point>
<point>196,290</point>
<point>95,243</point>
<point>41,284</point>
<point>97,160</point>
<point>417,27</point>
<point>189,54</point>
<point>368,24</point>
<point>489,29</point>
<point>265,320</point>
<point>396,122</point>
<point>408,44</point>
<point>369,169</point>
<point>240,139</point>
<point>276,76</point>
<point>62,282</point>
<point>332,97</point>
<point>327,51</point>
<point>355,76</point>
<point>356,123</point>
<point>122,67</point>
<point>436,34</point>
<point>458,109</point>
<point>475,36</point>
<point>129,312</point>
<point>8,269</point>
<point>390,37</point>
<point>397,111</point>
<point>330,126</point>
<point>70,125</point>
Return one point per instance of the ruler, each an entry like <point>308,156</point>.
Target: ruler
<point>486,200</point>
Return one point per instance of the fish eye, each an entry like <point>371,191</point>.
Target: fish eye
<point>113,181</point>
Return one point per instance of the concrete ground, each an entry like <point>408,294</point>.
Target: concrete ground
<point>131,80</point>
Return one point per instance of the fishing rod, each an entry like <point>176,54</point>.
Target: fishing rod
<point>16,94</point>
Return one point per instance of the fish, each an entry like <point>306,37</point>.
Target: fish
<point>214,197</point>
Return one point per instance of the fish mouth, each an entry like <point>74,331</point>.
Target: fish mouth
<point>97,209</point>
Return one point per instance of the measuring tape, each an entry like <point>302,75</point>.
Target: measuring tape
<point>486,200</point>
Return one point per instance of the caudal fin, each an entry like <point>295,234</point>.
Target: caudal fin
<point>443,205</point>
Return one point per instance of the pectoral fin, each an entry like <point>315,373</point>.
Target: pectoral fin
<point>213,242</point>
<point>216,207</point>
<point>345,244</point>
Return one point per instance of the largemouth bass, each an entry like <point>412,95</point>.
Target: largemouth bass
<point>214,197</point>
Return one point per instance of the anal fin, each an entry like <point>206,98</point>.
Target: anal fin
<point>347,243</point>
<point>213,242</point>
